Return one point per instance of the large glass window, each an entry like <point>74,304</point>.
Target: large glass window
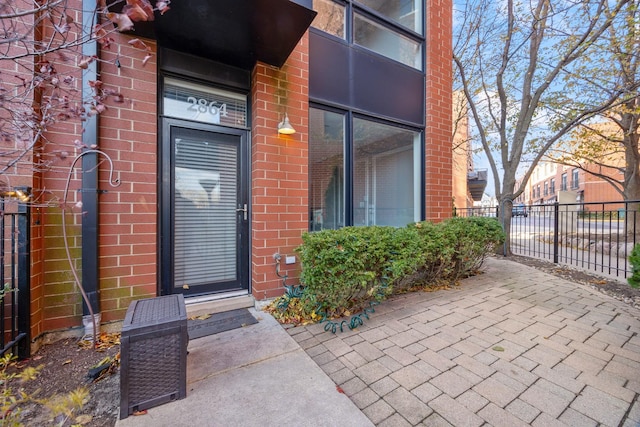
<point>382,180</point>
<point>380,39</point>
<point>330,17</point>
<point>407,13</point>
<point>386,174</point>
<point>389,28</point>
<point>326,169</point>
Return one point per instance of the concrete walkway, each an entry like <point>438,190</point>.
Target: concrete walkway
<point>511,347</point>
<point>253,376</point>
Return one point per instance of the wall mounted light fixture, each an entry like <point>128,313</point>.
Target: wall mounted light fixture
<point>284,127</point>
<point>21,194</point>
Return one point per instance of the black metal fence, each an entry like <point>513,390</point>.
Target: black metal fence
<point>593,236</point>
<point>15,277</point>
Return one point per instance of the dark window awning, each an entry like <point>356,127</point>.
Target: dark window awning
<point>233,32</point>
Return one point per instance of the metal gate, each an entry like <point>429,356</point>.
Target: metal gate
<point>15,275</point>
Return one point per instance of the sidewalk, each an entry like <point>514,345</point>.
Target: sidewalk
<point>253,376</point>
<point>511,347</point>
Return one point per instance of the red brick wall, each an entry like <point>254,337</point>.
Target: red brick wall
<point>128,213</point>
<point>438,132</point>
<point>279,168</point>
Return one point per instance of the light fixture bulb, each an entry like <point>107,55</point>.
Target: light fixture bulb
<point>284,127</point>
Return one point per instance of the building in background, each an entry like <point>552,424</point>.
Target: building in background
<point>468,183</point>
<point>548,179</point>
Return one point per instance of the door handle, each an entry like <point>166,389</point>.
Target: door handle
<point>243,210</point>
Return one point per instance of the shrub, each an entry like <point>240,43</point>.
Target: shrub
<point>342,268</point>
<point>634,260</point>
<point>346,269</point>
<point>472,239</point>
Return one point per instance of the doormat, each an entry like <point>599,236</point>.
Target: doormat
<point>202,326</point>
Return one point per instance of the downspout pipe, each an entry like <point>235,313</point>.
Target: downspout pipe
<point>90,234</point>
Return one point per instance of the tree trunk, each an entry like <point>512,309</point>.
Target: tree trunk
<point>631,188</point>
<point>505,210</point>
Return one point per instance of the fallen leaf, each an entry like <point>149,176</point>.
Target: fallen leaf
<point>498,348</point>
<point>66,362</point>
<point>339,389</point>
<point>84,419</point>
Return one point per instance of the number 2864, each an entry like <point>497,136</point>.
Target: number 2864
<point>203,106</point>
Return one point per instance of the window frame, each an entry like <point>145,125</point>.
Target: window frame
<point>352,8</point>
<point>349,159</point>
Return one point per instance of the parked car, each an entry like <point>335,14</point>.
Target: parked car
<point>519,210</point>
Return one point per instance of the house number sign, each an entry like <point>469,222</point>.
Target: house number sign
<point>203,106</point>
<point>191,101</point>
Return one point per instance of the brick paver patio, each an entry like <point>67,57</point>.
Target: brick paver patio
<point>511,347</point>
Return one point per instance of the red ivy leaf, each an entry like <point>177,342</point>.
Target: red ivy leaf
<point>138,44</point>
<point>102,37</point>
<point>96,84</point>
<point>162,6</point>
<point>139,10</point>
<point>84,63</point>
<point>146,59</point>
<point>123,21</point>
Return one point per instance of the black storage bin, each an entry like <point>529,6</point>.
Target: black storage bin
<point>153,353</point>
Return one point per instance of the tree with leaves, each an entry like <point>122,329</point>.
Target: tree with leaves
<point>607,146</point>
<point>519,65</point>
<point>51,88</point>
<point>41,66</point>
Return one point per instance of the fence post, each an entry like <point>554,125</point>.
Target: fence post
<point>24,278</point>
<point>556,222</point>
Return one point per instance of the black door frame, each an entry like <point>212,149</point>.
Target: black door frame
<point>165,208</point>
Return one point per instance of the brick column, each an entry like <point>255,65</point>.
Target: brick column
<point>279,178</point>
<point>438,132</point>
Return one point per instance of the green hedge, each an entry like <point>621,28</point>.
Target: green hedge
<point>344,270</point>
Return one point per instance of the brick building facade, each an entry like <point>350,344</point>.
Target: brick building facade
<point>208,189</point>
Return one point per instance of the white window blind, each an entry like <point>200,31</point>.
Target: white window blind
<point>205,199</point>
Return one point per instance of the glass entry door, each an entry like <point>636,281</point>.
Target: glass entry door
<point>205,209</point>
